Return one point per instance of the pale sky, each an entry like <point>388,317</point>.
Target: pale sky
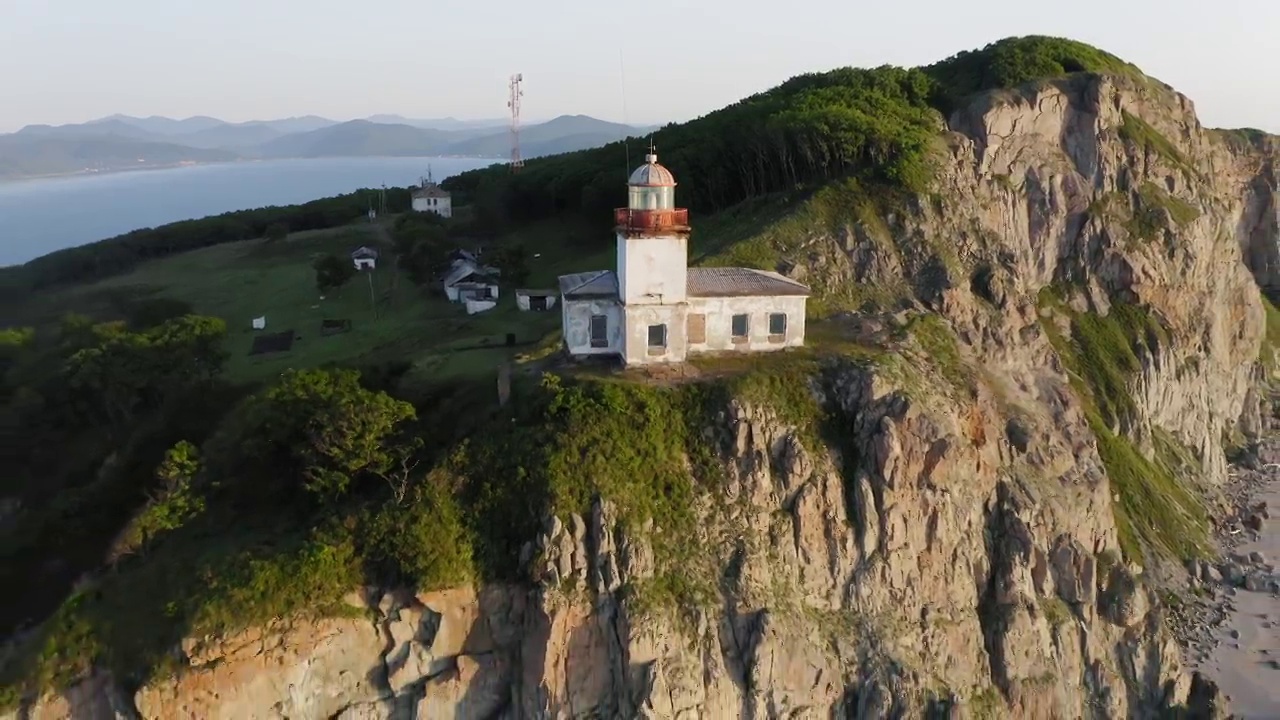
<point>73,60</point>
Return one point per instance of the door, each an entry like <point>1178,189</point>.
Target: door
<point>697,328</point>
<point>537,302</point>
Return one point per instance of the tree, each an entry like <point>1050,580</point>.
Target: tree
<point>276,231</point>
<point>332,431</point>
<point>422,248</point>
<point>512,261</point>
<point>124,372</point>
<point>332,272</point>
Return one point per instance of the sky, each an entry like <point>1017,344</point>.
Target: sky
<point>657,61</point>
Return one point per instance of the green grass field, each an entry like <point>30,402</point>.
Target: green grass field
<point>391,319</point>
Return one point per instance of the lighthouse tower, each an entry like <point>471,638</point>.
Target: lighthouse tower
<point>652,266</point>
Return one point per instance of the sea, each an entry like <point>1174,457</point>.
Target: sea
<point>43,215</point>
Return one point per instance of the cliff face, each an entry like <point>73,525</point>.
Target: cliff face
<point>945,542</point>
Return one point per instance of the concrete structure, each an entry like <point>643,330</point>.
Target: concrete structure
<point>365,258</point>
<point>536,299</point>
<point>430,197</point>
<point>467,280</point>
<point>654,308</point>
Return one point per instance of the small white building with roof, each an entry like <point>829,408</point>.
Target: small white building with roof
<point>430,197</point>
<point>654,308</point>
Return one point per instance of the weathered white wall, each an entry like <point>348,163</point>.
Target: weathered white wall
<point>720,312</point>
<point>575,318</point>
<point>636,349</point>
<point>443,206</point>
<point>652,269</point>
<point>522,301</point>
<point>362,263</point>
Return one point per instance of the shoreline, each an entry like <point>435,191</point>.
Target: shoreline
<point>172,166</point>
<point>1228,620</point>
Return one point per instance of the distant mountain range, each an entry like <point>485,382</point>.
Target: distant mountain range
<point>121,142</point>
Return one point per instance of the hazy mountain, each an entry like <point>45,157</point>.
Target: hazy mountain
<point>306,123</point>
<point>25,155</point>
<point>162,125</point>
<point>98,128</point>
<point>562,134</point>
<point>359,138</point>
<point>240,137</point>
<point>438,123</point>
<point>117,142</point>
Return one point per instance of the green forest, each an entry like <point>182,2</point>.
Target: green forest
<point>149,497</point>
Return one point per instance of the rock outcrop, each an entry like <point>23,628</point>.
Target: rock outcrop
<point>941,549</point>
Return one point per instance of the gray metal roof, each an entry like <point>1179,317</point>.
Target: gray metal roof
<point>737,281</point>
<point>596,283</point>
<point>430,191</point>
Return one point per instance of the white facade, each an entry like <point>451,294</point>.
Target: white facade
<point>362,263</point>
<point>651,270</point>
<point>440,205</point>
<point>655,309</point>
<point>592,326</point>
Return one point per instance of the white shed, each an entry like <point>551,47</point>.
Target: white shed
<point>365,257</point>
<point>536,300</point>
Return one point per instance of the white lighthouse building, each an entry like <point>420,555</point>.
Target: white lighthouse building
<point>654,308</point>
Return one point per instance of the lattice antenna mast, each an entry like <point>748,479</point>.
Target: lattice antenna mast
<point>514,104</point>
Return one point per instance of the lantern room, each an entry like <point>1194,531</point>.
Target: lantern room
<point>651,187</point>
<point>651,201</point>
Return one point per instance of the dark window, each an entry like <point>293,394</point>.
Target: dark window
<point>777,323</point>
<point>657,336</point>
<point>740,327</point>
<point>599,331</point>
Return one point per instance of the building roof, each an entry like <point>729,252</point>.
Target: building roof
<point>593,284</point>
<point>463,270</point>
<point>364,251</point>
<point>429,191</point>
<point>738,281</point>
<point>652,174</point>
<point>536,292</point>
<point>479,277</point>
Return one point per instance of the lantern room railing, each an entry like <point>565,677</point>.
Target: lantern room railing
<point>651,220</point>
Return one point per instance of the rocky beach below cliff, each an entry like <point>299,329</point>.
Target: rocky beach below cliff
<point>1229,620</point>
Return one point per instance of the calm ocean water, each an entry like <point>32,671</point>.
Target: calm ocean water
<point>40,216</point>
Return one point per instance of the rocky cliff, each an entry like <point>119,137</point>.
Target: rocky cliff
<point>1010,447</point>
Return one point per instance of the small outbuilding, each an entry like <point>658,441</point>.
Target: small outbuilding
<point>364,258</point>
<point>536,300</point>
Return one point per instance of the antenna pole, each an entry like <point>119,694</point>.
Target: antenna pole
<point>626,146</point>
<point>513,102</point>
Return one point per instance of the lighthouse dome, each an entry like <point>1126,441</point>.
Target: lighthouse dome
<point>651,174</point>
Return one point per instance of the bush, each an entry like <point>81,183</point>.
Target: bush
<point>423,541</point>
<point>321,426</point>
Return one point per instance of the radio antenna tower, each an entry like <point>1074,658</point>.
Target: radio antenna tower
<point>514,104</point>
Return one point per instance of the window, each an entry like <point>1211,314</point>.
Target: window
<point>777,325</point>
<point>740,327</point>
<point>599,331</point>
<point>657,336</point>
